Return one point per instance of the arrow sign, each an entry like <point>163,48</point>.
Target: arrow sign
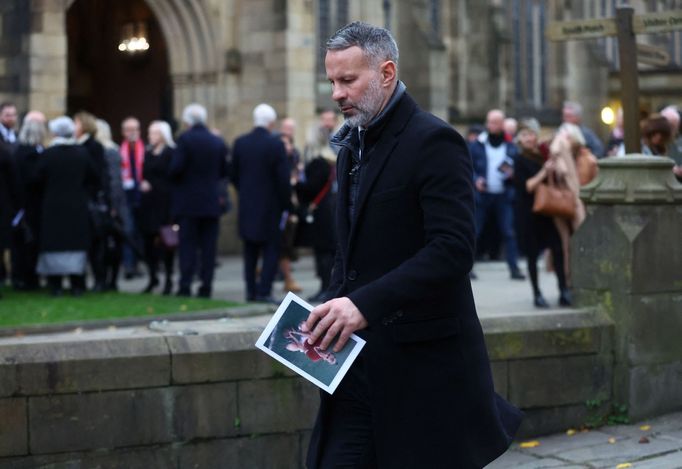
<point>581,29</point>
<point>662,22</point>
<point>651,55</point>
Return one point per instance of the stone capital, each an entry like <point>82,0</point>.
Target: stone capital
<point>633,179</point>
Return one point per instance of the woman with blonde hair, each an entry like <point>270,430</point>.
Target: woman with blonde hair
<point>155,204</point>
<point>571,164</point>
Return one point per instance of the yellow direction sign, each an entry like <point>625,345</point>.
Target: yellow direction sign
<point>662,22</point>
<point>651,55</point>
<point>581,29</point>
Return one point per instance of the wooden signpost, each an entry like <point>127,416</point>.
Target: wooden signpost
<point>625,26</point>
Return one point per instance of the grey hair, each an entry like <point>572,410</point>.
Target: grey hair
<point>264,115</point>
<point>62,126</point>
<point>194,114</point>
<point>32,133</point>
<point>377,43</point>
<point>166,132</point>
<point>575,108</point>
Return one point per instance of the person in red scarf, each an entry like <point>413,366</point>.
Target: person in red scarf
<point>132,160</point>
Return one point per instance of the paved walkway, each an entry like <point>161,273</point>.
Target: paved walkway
<point>654,444</point>
<point>496,294</point>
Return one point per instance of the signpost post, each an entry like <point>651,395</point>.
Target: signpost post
<point>625,26</point>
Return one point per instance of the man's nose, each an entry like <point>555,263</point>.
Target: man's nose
<point>338,93</point>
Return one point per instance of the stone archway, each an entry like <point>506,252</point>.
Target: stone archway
<point>188,27</point>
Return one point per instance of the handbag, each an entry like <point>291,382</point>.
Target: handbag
<point>554,201</point>
<point>169,235</point>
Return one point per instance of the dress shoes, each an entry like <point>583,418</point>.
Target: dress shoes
<point>266,299</point>
<point>540,301</point>
<point>153,283</point>
<point>565,298</point>
<point>184,292</point>
<point>517,275</point>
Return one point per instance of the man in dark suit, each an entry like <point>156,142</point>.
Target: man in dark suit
<point>8,122</point>
<point>197,166</point>
<point>420,394</point>
<point>260,172</point>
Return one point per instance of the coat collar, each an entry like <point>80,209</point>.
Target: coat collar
<point>393,124</point>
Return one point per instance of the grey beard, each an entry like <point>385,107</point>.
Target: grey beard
<point>367,107</point>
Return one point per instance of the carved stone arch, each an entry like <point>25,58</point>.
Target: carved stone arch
<point>193,57</point>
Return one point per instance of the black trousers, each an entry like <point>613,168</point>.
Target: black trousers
<point>324,262</point>
<point>261,287</point>
<point>344,427</point>
<point>153,251</point>
<point>198,237</point>
<point>535,247</point>
<point>24,260</point>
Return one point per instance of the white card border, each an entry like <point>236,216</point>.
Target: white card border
<point>260,344</point>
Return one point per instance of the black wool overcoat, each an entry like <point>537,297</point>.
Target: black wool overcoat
<point>66,175</point>
<point>404,262</point>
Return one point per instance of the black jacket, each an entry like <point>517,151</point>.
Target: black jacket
<point>66,176</point>
<point>260,172</point>
<point>155,204</point>
<point>317,181</point>
<point>405,263</point>
<point>199,163</point>
<point>9,195</point>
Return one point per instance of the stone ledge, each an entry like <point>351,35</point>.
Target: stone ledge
<point>37,368</point>
<point>571,333</point>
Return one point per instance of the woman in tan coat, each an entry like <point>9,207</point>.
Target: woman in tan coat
<point>571,165</point>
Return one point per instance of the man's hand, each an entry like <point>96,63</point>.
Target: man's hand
<point>677,170</point>
<point>480,184</point>
<point>335,317</point>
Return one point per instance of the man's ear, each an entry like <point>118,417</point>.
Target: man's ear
<point>388,73</point>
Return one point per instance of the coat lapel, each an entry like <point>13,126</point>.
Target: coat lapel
<point>342,221</point>
<point>379,155</point>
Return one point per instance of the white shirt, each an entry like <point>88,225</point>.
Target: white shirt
<point>8,134</point>
<point>494,177</point>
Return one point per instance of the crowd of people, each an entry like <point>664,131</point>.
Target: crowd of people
<point>513,159</point>
<point>72,201</point>
<point>71,197</point>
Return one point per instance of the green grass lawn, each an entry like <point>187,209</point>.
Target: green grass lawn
<point>24,308</point>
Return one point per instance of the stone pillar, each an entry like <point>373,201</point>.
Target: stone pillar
<point>627,257</point>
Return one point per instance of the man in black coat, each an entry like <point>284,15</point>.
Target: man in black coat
<point>198,164</point>
<point>260,172</point>
<point>420,394</point>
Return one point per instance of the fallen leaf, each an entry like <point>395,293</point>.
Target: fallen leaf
<point>570,432</point>
<point>623,465</point>
<point>645,428</point>
<point>643,440</point>
<point>150,310</point>
<point>612,441</point>
<point>530,444</point>
<point>183,307</point>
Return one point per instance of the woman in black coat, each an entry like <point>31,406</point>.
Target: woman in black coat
<point>155,204</point>
<point>536,232</point>
<point>86,129</point>
<point>9,203</point>
<point>32,137</point>
<point>66,176</point>
<point>316,193</point>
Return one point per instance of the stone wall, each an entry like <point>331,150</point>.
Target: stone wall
<point>200,395</point>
